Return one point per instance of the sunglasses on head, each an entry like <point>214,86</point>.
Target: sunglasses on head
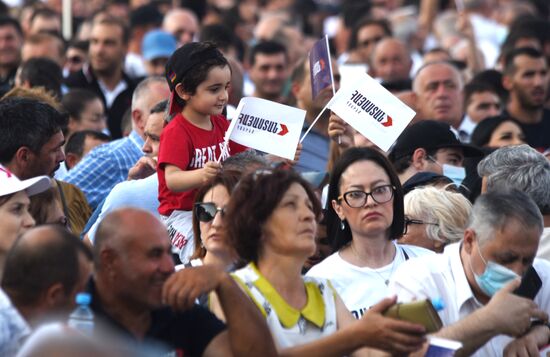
<point>206,211</point>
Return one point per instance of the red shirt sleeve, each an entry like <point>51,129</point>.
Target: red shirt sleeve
<point>174,148</point>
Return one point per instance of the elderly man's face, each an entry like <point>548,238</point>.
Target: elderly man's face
<point>153,129</point>
<point>145,263</point>
<point>514,247</point>
<point>439,94</point>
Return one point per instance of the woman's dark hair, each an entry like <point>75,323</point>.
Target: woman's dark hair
<point>40,205</point>
<point>76,100</point>
<point>227,179</point>
<point>342,237</point>
<point>252,203</point>
<point>485,129</point>
<point>6,198</point>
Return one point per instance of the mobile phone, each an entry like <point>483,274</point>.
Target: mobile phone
<point>530,284</point>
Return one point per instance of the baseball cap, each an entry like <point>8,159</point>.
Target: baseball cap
<point>182,61</point>
<point>429,134</point>
<point>9,183</point>
<point>158,44</point>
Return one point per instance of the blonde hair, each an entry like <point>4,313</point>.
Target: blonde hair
<point>37,93</point>
<point>449,210</point>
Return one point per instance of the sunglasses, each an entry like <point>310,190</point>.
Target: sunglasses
<point>75,60</point>
<point>206,211</point>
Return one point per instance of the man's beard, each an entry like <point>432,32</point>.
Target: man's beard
<point>526,101</point>
<point>107,71</point>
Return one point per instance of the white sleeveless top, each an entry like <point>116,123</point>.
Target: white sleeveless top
<point>291,327</point>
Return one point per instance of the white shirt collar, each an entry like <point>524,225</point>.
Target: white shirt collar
<point>464,292</point>
<point>466,129</point>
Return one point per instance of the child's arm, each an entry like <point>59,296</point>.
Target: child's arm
<point>178,180</point>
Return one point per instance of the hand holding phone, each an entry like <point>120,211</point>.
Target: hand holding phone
<point>530,284</point>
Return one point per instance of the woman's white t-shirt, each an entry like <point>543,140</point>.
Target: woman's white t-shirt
<point>361,288</point>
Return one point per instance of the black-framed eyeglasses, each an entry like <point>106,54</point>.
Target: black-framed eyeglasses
<point>358,198</point>
<point>409,221</point>
<point>206,211</point>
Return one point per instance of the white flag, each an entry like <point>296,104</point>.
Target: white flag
<point>267,126</point>
<point>372,110</point>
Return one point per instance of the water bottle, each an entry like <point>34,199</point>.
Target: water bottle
<point>82,318</point>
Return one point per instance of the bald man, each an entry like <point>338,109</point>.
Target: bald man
<point>134,277</point>
<point>438,93</point>
<point>44,271</point>
<point>391,60</point>
<point>182,23</point>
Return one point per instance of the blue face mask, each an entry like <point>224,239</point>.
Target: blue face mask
<point>494,278</point>
<point>455,173</point>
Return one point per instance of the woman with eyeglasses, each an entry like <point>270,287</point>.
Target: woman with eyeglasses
<point>434,218</point>
<point>211,246</point>
<point>364,218</point>
<point>272,221</point>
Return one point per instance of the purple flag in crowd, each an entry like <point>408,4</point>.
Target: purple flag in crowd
<point>319,67</point>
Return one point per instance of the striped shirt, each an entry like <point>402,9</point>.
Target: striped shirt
<point>105,166</point>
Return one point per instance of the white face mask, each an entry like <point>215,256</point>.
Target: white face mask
<point>455,173</point>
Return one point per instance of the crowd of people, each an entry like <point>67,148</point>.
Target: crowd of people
<point>116,179</point>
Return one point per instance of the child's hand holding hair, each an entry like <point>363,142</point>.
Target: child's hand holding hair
<point>210,169</point>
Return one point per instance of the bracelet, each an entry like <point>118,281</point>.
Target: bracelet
<point>539,322</point>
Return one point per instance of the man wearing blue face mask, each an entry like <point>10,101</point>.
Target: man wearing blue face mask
<point>430,146</point>
<point>477,277</point>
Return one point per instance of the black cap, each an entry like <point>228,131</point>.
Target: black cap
<point>429,134</point>
<point>183,60</point>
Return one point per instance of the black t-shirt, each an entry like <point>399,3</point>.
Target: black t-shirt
<point>538,135</point>
<point>186,333</point>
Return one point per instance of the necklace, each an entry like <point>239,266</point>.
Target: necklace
<point>385,279</point>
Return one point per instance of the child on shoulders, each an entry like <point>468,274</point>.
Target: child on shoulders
<point>192,145</point>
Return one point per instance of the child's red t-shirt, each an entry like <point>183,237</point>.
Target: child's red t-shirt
<point>189,148</point>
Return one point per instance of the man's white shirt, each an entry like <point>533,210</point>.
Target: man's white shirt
<point>442,276</point>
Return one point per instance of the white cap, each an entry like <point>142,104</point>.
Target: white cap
<point>9,183</point>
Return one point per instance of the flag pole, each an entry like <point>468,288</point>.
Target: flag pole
<point>330,67</point>
<point>230,129</point>
<point>331,80</point>
<point>315,121</point>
